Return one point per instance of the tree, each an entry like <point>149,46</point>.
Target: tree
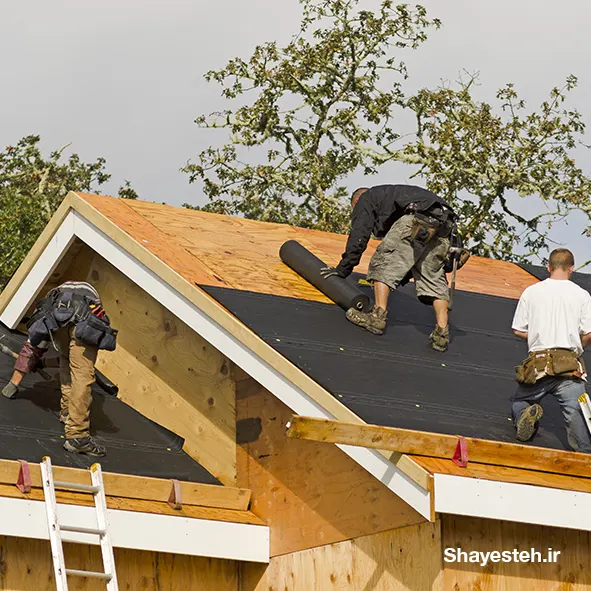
<point>32,188</point>
<point>480,159</point>
<point>316,107</point>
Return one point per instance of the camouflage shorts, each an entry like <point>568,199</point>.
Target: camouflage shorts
<point>397,255</point>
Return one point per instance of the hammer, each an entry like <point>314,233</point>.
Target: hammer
<point>14,355</point>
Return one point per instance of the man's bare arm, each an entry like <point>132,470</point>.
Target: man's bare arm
<point>586,339</point>
<point>523,334</point>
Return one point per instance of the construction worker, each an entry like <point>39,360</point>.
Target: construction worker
<point>70,317</point>
<point>415,226</point>
<point>554,316</point>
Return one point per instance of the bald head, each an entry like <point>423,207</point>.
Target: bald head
<point>356,194</point>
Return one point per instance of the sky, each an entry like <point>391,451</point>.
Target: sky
<point>124,80</point>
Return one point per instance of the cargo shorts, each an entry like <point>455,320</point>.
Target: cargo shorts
<point>396,255</point>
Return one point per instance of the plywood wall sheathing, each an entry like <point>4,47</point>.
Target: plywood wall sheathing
<point>168,372</point>
<point>405,559</point>
<point>25,565</point>
<point>572,571</point>
<point>310,494</point>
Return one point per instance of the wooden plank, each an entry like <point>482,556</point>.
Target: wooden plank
<point>422,443</point>
<point>505,474</point>
<point>309,494</point>
<point>572,572</point>
<point>141,506</point>
<point>26,564</point>
<point>138,487</point>
<point>404,559</point>
<point>168,372</point>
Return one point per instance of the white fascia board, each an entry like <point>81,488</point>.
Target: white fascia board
<point>523,503</point>
<point>290,394</point>
<point>141,531</point>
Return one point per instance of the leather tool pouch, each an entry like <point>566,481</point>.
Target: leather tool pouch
<point>95,331</point>
<point>550,362</point>
<point>423,229</point>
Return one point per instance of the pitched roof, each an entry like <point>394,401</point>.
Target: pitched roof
<point>280,329</point>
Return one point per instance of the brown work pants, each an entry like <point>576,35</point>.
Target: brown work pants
<point>76,376</point>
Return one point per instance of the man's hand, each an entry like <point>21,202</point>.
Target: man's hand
<point>327,272</point>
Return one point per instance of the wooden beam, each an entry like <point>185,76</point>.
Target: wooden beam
<point>127,486</point>
<point>141,506</point>
<point>436,445</point>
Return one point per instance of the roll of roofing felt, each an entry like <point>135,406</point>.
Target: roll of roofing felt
<point>308,266</point>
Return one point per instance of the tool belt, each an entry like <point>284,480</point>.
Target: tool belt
<point>550,362</point>
<point>62,308</point>
<point>435,221</point>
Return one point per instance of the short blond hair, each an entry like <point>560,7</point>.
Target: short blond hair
<point>561,258</point>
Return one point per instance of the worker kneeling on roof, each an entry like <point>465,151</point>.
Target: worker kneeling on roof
<point>416,227</point>
<point>554,316</point>
<point>71,317</point>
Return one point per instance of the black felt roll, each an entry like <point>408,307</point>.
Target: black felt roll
<point>308,266</point>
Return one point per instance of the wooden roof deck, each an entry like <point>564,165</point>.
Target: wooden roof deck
<point>218,250</point>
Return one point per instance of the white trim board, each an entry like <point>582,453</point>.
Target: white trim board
<point>142,531</point>
<point>523,503</point>
<point>75,225</point>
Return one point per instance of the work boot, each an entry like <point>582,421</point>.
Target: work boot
<point>10,390</point>
<point>439,338</point>
<point>527,422</point>
<point>85,445</point>
<point>374,320</point>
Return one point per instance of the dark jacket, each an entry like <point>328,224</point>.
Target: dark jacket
<point>375,212</point>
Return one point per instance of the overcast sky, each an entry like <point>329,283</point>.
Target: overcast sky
<point>123,80</point>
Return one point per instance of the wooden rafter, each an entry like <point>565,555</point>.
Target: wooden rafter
<point>436,445</point>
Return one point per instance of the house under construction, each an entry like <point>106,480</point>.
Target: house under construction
<point>220,346</point>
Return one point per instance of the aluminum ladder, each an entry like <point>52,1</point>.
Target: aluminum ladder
<point>55,529</point>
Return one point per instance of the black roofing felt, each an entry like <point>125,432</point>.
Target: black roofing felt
<point>396,379</point>
<point>541,273</point>
<point>30,429</point>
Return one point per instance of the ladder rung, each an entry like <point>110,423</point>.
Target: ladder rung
<point>74,486</point>
<point>88,573</point>
<point>83,530</point>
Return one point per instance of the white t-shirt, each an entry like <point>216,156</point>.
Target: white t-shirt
<point>554,313</point>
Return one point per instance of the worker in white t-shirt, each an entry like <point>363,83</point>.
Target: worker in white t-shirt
<point>554,316</point>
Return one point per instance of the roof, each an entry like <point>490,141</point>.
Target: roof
<point>30,429</point>
<point>223,278</point>
<point>221,248</point>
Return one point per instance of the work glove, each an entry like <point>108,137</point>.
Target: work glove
<point>327,272</point>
